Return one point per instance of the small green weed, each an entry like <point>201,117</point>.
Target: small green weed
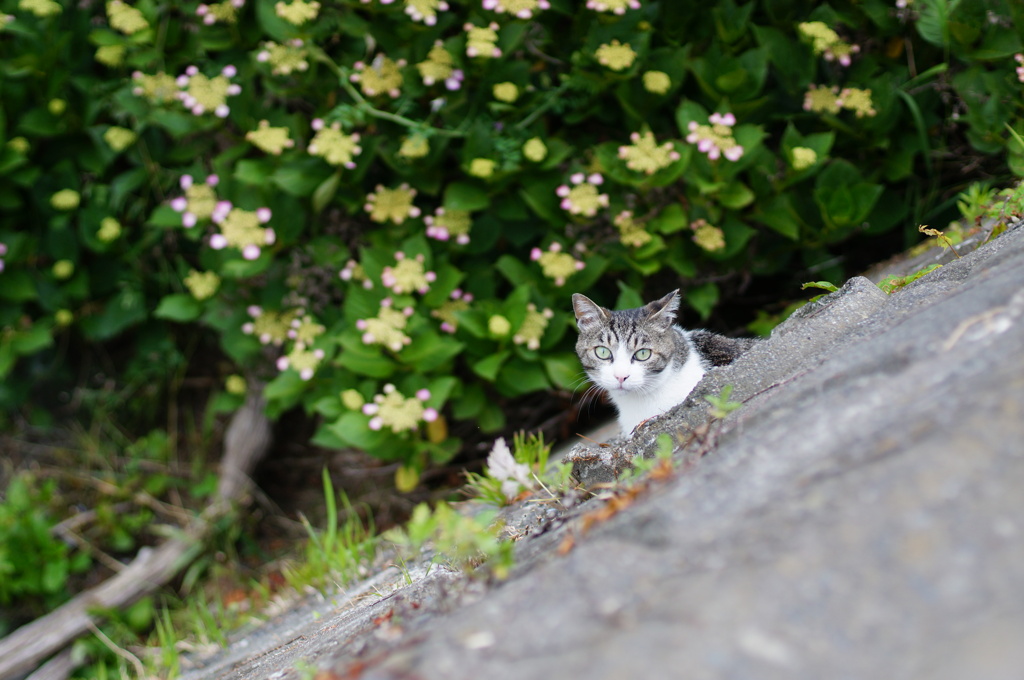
<point>721,404</point>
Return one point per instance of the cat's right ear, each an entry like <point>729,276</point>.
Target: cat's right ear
<point>588,314</point>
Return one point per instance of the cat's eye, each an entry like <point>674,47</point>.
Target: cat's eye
<point>642,354</point>
<point>603,352</point>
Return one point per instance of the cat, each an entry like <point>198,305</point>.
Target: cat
<point>643,360</point>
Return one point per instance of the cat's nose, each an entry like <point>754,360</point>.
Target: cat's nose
<point>621,379</point>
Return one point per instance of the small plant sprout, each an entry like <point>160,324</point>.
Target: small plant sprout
<point>581,196</point>
<point>556,264</point>
<point>716,138</point>
<point>940,236</point>
<point>721,405</point>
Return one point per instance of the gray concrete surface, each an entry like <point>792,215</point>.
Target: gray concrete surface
<point>861,516</point>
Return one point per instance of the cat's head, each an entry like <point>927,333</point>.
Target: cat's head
<point>627,351</point>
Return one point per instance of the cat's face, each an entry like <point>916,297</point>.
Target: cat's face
<point>626,351</point>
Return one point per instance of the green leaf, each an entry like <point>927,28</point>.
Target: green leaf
<point>519,377</point>
<point>670,220</point>
<point>488,367</point>
<point>778,214</point>
<point>703,298</point>
<point>465,196</point>
<point>32,340</point>
<point>179,307</point>
<point>736,195</point>
<point>429,351</point>
<point>352,429</point>
<point>18,286</point>
<point>563,370</point>
<point>325,192</point>
<point>823,285</point>
<point>364,359</point>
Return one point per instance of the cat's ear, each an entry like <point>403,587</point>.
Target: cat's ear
<point>663,311</point>
<point>588,313</point>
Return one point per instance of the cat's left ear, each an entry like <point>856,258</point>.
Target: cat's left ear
<point>588,313</point>
<point>663,311</point>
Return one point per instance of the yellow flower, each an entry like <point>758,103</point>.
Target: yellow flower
<point>438,66</point>
<point>646,155</point>
<point>201,93</point>
<point>708,237</point>
<point>616,56</point>
<point>352,399</point>
<point>414,146</point>
<point>270,327</point>
<point>301,359</point>
<point>159,89</point>
<point>382,76</point>
<point>481,41</point>
<point>425,10</point>
<point>201,200</point>
<point>235,384</point>
<point>110,55</point>
<point>391,204</point>
<point>297,12</point>
<point>125,18</point>
<point>535,150</point>
<point>385,329</point>
<point>858,101</point>
<point>445,224</point>
<point>631,233</point>
<point>657,82</point>
<point>202,285</point>
<point>534,325</point>
<point>110,229</point>
<point>272,140</point>
<point>57,106</point>
<point>506,92</point>
<point>41,8</point>
<point>225,12</point>
<point>395,411</point>
<point>822,99</point>
<point>119,138</point>
<point>284,59</point>
<point>333,145</point>
<point>482,167</point>
<point>18,145</point>
<point>63,269</point>
<point>66,199</point>
<point>498,326</point>
<point>63,317</point>
<point>407,275</point>
<point>306,330</point>
<point>614,6</point>
<point>803,158</point>
<point>827,43</point>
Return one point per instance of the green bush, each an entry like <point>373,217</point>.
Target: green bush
<point>381,208</point>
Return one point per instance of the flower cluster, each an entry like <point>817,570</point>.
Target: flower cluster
<point>505,92</point>
<point>615,55</point>
<point>425,10</point>
<point>448,312</point>
<point>110,230</point>
<point>445,224</point>
<point>111,55</point>
<point>199,201</point>
<point>397,412</point>
<point>535,150</point>
<point>297,12</point>
<point>614,6</point>
<point>200,94</point>
<point>40,8</point>
<point>241,229</point>
<point>646,155</point>
<point>202,285</point>
<point>159,89</point>
<point>284,59</point>
<point>1019,58</point>
<point>382,76</point>
<point>305,329</point>
<point>533,327</point>
<point>555,264</point>
<point>353,271</point>
<point>803,157</point>
<point>66,199</point>
<point>225,12</point>
<point>827,43</point>
<point>333,145</point>
<point>831,100</point>
<point>583,197</point>
<point>270,327</point>
<point>482,41</point>
<point>414,146</point>
<point>503,467</point>
<point>631,233</point>
<point>522,9</point>
<point>407,275</point>
<point>439,66</point>
<point>707,236</point>
<point>387,328</point>
<point>272,140</point>
<point>391,204</point>
<point>482,167</point>
<point>716,139</point>
<point>301,359</point>
<point>125,18</point>
<point>119,138</point>
<point>657,82</point>
<point>3,253</point>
